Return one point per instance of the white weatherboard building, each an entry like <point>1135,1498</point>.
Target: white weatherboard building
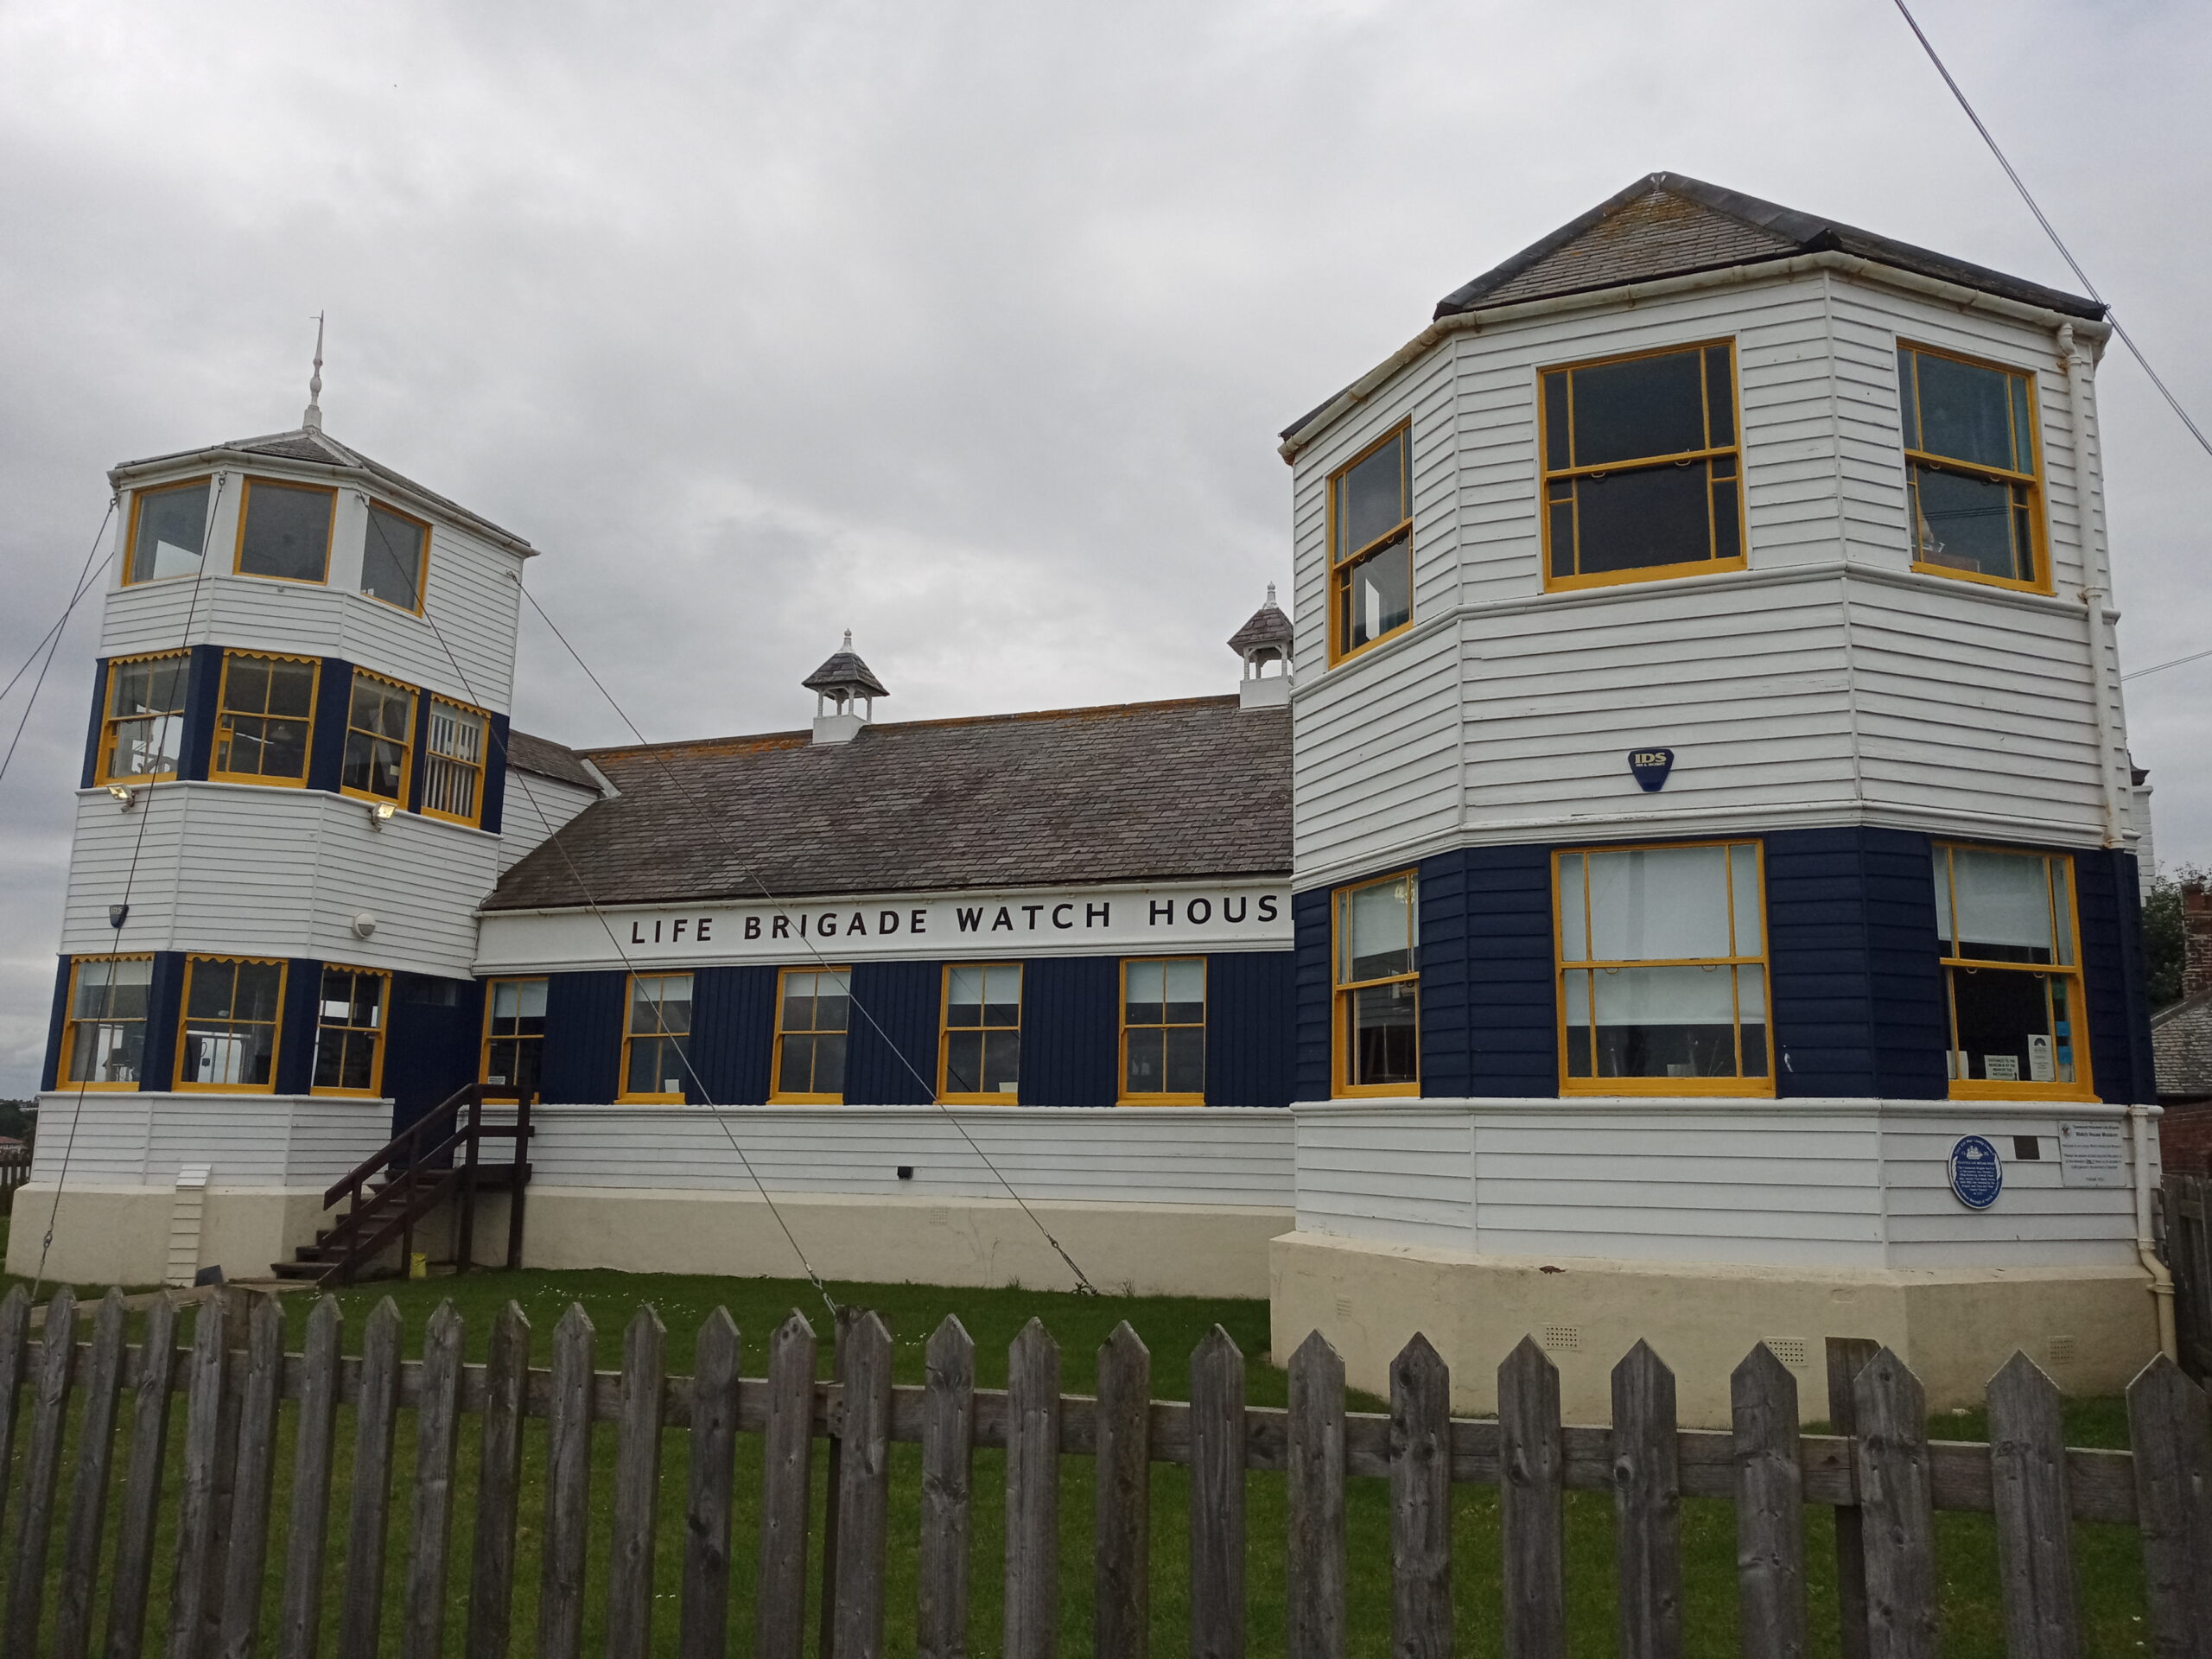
<point>1685,889</point>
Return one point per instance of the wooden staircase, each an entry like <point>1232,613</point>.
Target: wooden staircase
<point>435,1160</point>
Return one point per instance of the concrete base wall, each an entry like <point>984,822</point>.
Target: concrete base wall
<point>120,1234</point>
<point>2091,1328</point>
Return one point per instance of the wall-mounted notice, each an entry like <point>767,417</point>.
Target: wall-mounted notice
<point>2092,1155</point>
<point>1977,1174</point>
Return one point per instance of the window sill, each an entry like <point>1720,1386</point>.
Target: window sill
<point>1745,1088</point>
<point>1339,658</point>
<point>2041,589</point>
<point>1377,1091</point>
<point>806,1100</point>
<point>1644,573</point>
<point>648,1100</point>
<point>1141,1101</point>
<point>1977,1089</point>
<point>1007,1102</point>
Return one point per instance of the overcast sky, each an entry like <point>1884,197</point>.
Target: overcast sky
<point>967,326</point>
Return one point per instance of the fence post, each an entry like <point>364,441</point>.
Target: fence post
<point>2188,1257</point>
<point>437,1448</point>
<point>261,1389</point>
<point>1846,1357</point>
<point>81,1555</point>
<point>637,1488</point>
<point>705,1632</point>
<point>1421,1503</point>
<point>1532,1503</point>
<point>141,1487</point>
<point>833,1484</point>
<point>299,1615</point>
<point>15,1355</point>
<point>1217,1497</point>
<point>41,1472</point>
<point>1120,1620</point>
<point>2169,1427</point>
<point>1769,1507</point>
<point>191,1588</point>
<point>948,1490</point>
<point>2035,1544</point>
<point>1316,1483</point>
<point>1033,1495</point>
<point>568,1488</point>
<point>376,1416</point>
<point>864,1490</point>
<point>1646,1506</point>
<point>1896,1499</point>
<point>499,1487</point>
<point>786,1457</point>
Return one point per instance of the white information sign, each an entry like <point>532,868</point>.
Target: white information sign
<point>2092,1155</point>
<point>2040,1069</point>
<point>2001,1068</point>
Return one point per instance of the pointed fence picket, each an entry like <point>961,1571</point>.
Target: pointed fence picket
<point>78,1418</point>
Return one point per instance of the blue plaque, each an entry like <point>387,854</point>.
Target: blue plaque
<point>1977,1174</point>
<point>1651,767</point>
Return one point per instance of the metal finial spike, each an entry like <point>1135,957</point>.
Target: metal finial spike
<point>1271,593</point>
<point>848,639</point>
<point>313,419</point>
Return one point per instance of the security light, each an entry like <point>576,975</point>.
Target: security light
<point>378,812</point>
<point>125,793</point>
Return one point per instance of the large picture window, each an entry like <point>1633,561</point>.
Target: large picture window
<point>1971,472</point>
<point>514,1033</point>
<point>394,557</point>
<point>1643,470</point>
<point>266,713</point>
<point>379,727</point>
<point>229,1032</point>
<point>656,1037</point>
<point>285,531</point>
<point>349,1031</point>
<point>453,777</point>
<point>1377,942</point>
<point>1662,969</point>
<point>142,722</point>
<point>980,1058</point>
<point>1372,546</point>
<point>104,1043</point>
<point>2012,972</point>
<point>168,531</point>
<point>1164,1032</point>
<point>814,1007</point>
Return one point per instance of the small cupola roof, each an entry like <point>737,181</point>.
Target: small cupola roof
<point>844,675</point>
<point>1269,628</point>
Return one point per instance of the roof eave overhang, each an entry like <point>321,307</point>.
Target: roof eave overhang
<point>131,472</point>
<point>1631,293</point>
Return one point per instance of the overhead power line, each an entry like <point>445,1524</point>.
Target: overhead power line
<point>2193,657</point>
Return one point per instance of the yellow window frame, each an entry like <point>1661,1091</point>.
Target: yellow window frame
<point>1341,570</point>
<point>406,743</point>
<point>192,964</point>
<point>103,767</point>
<point>70,1022</point>
<point>223,713</point>
<point>2083,1087</point>
<point>658,1098</point>
<point>421,575</point>
<point>1343,993</point>
<point>130,537</point>
<point>245,509</point>
<point>945,1028</point>
<point>2038,523</point>
<point>378,1033</point>
<point>488,1036</point>
<point>1548,475</point>
<point>1753,1087</point>
<point>776,1096</point>
<point>1121,1095</point>
<point>431,758</point>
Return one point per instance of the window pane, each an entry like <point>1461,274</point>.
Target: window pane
<point>2004,1026</point>
<point>1559,453</point>
<point>1744,881</point>
<point>392,563</point>
<point>1664,1023</point>
<point>1719,398</point>
<point>1379,594</point>
<point>1001,996</point>
<point>1578,1061</point>
<point>1908,398</point>
<point>1002,1062</point>
<point>260,985</point>
<point>245,685</point>
<point>796,1077</point>
<point>1146,1061</point>
<point>1637,521</point>
<point>1750,1011</point>
<point>1965,412</point>
<point>1385,1034</point>
<point>2003,904</point>
<point>1573,913</point>
<point>172,532</point>
<point>287,532</point>
<point>829,1063</point>
<point>1961,522</point>
<point>964,996</point>
<point>964,1062</point>
<point>832,1001</point>
<point>1144,991</point>
<point>1373,501</point>
<point>1186,1051</point>
<point>1659,904</point>
<point>1186,992</point>
<point>2061,906</point>
<point>291,689</point>
<point>1376,930</point>
<point>1646,406</point>
<point>146,710</point>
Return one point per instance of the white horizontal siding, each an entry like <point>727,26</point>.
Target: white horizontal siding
<point>537,808</point>
<point>1377,761</point>
<point>129,1138</point>
<point>1404,1178</point>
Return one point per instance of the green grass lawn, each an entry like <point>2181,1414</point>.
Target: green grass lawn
<point>2108,1568</point>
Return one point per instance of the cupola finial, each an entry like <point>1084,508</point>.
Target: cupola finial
<point>312,421</point>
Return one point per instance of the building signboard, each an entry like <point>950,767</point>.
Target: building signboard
<point>1977,1174</point>
<point>2092,1155</point>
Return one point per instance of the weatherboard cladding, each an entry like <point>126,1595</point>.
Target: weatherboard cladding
<point>1160,790</point>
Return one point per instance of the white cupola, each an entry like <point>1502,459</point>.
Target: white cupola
<point>1264,639</point>
<point>845,690</point>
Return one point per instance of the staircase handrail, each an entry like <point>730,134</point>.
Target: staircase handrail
<point>406,1140</point>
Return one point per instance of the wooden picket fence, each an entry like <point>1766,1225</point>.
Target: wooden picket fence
<point>2188,1251</point>
<point>14,1170</point>
<point>1884,1477</point>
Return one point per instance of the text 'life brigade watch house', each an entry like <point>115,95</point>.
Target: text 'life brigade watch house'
<point>1673,878</point>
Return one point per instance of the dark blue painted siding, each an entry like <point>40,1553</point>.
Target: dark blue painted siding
<point>891,1057</point>
<point>295,1034</point>
<point>1513,1035</point>
<point>732,1034</point>
<point>1448,1005</point>
<point>583,1037</point>
<point>164,1007</point>
<point>202,695</point>
<point>1309,914</point>
<point>55,1021</point>
<point>435,1042</point>
<point>92,767</point>
<point>495,778</point>
<point>333,702</point>
<point>2113,974</point>
<point>1912,1029</point>
<point>1071,1030</point>
<point>1251,1014</point>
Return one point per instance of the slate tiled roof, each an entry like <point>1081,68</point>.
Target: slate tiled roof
<point>1191,789</point>
<point>844,669</point>
<point>546,759</point>
<point>306,444</point>
<point>2181,1046</point>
